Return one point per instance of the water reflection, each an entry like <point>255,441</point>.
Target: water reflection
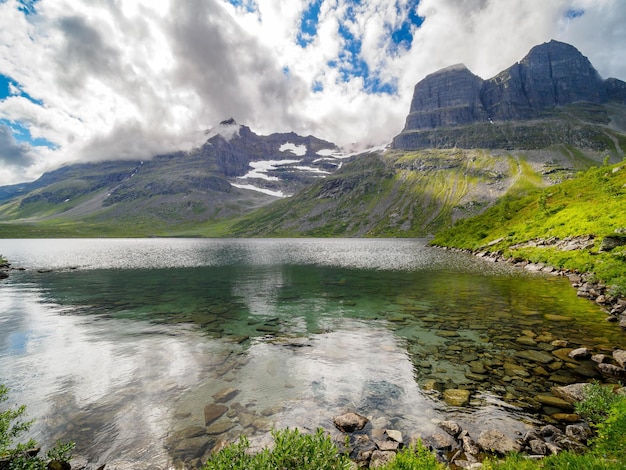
<point>125,353</point>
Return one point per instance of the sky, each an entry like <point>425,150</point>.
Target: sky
<point>93,80</point>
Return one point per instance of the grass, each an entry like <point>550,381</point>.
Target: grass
<point>292,450</point>
<point>593,203</point>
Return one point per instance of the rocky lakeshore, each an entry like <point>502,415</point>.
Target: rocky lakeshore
<point>371,447</point>
<point>371,443</point>
<point>596,292</point>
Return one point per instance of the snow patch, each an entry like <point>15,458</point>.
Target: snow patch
<point>311,169</point>
<point>326,152</point>
<point>259,169</point>
<point>298,150</point>
<point>269,192</point>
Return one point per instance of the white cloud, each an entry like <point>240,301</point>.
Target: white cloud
<point>135,78</point>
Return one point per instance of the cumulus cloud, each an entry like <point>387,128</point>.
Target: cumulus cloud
<point>131,79</point>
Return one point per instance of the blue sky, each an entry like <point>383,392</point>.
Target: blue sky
<point>20,129</point>
<point>86,81</point>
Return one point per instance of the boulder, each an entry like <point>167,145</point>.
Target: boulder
<point>619,356</point>
<point>611,370</point>
<point>611,242</point>
<point>496,441</point>
<point>350,422</point>
<point>440,441</point>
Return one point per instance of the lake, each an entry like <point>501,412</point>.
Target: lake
<point>150,352</point>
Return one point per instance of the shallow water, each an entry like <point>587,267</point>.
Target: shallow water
<point>120,344</point>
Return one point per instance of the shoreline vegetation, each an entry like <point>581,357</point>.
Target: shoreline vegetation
<point>595,443</point>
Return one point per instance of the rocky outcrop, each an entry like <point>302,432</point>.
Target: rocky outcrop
<point>449,97</point>
<point>551,76</point>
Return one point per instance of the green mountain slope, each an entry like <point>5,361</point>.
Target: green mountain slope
<point>591,206</point>
<point>410,193</point>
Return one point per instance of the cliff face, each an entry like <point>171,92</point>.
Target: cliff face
<point>446,98</point>
<point>551,76</point>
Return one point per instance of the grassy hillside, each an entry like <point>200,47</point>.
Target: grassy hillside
<point>409,194</point>
<point>593,203</point>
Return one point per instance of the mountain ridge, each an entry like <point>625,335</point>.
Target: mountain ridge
<point>242,184</point>
<point>452,107</point>
<point>218,179</point>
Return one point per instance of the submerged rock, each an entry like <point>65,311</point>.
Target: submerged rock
<point>579,353</point>
<point>550,400</point>
<point>213,412</point>
<point>456,397</point>
<point>535,356</point>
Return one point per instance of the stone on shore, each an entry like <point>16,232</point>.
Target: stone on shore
<point>350,422</point>
<point>611,370</point>
<point>571,393</point>
<point>394,435</point>
<point>440,441</point>
<point>451,427</point>
<point>619,356</point>
<point>496,441</point>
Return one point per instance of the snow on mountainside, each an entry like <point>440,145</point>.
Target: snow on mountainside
<point>233,172</point>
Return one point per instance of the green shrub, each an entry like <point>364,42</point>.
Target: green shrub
<point>597,404</point>
<point>292,451</point>
<point>414,457</point>
<point>21,456</point>
<point>611,440</point>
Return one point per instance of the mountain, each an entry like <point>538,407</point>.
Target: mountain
<point>552,96</point>
<point>234,172</point>
<point>467,143</point>
<point>399,193</point>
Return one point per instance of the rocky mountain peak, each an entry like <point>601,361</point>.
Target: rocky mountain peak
<point>551,75</point>
<point>448,97</point>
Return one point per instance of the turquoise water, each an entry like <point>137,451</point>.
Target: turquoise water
<point>120,344</point>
